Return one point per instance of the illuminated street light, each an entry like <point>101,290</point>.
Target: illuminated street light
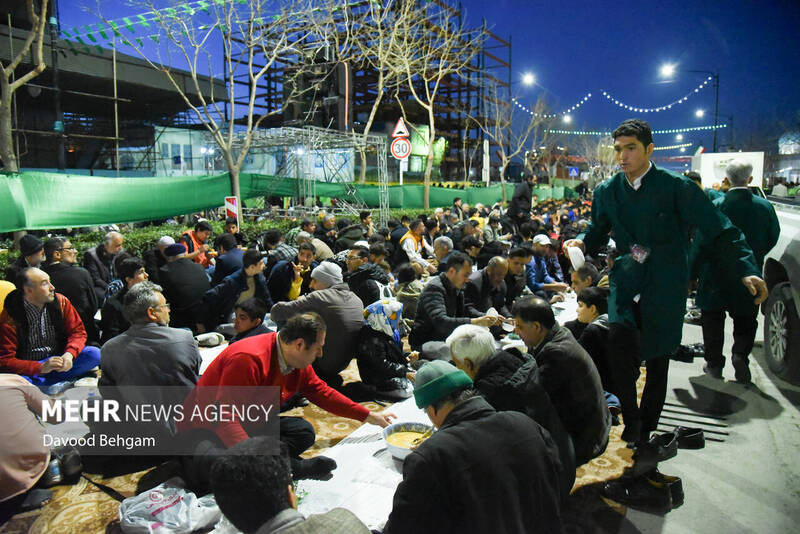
<point>679,137</point>
<point>699,113</point>
<point>683,149</point>
<point>567,119</point>
<point>528,79</point>
<point>668,70</point>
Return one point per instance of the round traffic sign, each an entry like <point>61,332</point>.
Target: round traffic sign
<point>401,148</point>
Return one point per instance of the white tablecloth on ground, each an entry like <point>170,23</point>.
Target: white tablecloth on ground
<point>367,475</point>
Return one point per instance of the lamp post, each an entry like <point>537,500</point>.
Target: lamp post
<point>668,70</point>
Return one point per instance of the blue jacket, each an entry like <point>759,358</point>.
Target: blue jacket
<point>536,272</point>
<point>227,264</point>
<point>220,300</point>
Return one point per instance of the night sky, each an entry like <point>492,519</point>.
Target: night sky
<point>578,47</point>
<point>575,48</point>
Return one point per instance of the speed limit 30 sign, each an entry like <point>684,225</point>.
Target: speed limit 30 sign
<point>401,148</point>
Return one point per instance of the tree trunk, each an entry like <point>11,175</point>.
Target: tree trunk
<point>503,181</point>
<point>363,174</point>
<point>426,194</point>
<point>7,153</point>
<point>233,170</point>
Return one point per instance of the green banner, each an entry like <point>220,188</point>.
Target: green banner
<point>43,200</point>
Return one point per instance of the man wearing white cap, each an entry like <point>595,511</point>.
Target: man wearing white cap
<point>341,310</point>
<point>154,258</point>
<point>539,281</point>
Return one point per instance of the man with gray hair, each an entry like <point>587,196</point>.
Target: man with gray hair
<point>99,261</point>
<point>442,247</point>
<point>149,353</point>
<point>718,290</point>
<point>323,251</point>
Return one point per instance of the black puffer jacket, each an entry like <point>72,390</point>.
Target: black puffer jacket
<point>483,471</point>
<point>363,280</point>
<point>440,310</point>
<point>571,379</point>
<point>379,357</point>
<point>510,381</point>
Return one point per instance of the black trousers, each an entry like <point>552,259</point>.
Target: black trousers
<point>297,433</point>
<point>744,334</point>
<point>625,355</point>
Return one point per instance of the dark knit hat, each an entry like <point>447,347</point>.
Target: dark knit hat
<point>436,379</point>
<point>175,250</point>
<point>29,245</point>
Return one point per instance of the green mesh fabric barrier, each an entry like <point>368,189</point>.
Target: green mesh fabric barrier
<point>41,200</point>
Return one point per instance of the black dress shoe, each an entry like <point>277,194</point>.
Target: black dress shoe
<point>713,371</point>
<point>741,369</point>
<point>674,484</point>
<point>690,438</point>
<point>639,492</point>
<point>661,447</point>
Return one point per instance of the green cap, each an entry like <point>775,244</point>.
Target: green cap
<point>436,379</point>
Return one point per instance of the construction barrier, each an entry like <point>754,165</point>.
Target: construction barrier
<point>42,200</point>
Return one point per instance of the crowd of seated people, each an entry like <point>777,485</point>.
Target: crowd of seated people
<point>414,281</point>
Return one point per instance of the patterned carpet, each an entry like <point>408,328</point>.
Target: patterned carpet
<point>84,508</point>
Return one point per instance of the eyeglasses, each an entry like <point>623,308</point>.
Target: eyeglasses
<point>68,248</point>
<point>161,306</point>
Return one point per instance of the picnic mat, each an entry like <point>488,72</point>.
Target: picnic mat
<point>84,508</point>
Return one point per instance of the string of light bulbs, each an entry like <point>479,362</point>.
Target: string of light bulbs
<point>660,108</point>
<point>577,105</point>
<point>670,131</point>
<point>673,147</point>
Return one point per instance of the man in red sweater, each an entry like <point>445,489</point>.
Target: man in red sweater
<point>282,360</point>
<point>42,337</point>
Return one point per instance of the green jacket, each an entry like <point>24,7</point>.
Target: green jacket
<point>658,216</point>
<point>718,289</point>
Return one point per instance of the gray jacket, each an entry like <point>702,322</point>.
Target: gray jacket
<point>150,355</point>
<point>343,313</point>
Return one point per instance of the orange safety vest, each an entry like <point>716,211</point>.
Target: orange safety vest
<point>196,245</point>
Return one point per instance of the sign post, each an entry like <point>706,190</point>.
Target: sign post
<point>232,208</point>
<point>401,146</point>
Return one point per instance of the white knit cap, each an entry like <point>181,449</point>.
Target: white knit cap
<point>166,241</point>
<point>327,273</point>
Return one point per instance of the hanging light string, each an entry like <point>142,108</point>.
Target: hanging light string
<point>671,131</point>
<point>660,108</point>
<point>524,108</point>
<point>673,147</point>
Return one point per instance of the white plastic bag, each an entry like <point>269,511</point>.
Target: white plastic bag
<point>168,508</point>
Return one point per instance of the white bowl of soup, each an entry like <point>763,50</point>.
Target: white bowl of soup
<point>401,438</point>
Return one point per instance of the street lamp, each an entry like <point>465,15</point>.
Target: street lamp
<point>567,119</point>
<point>669,69</point>
<point>528,79</point>
<point>699,113</point>
<point>679,137</point>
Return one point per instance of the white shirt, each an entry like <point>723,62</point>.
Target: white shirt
<point>637,183</point>
<point>780,190</point>
<point>413,252</point>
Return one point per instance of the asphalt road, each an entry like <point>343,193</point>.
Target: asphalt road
<point>748,478</point>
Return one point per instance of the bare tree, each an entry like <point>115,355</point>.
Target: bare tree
<point>514,131</point>
<point>434,49</point>
<point>248,37</point>
<point>598,153</point>
<point>33,43</point>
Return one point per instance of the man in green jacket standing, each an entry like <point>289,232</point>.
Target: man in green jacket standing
<point>717,291</point>
<point>650,211</point>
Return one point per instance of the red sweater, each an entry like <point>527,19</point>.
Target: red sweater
<point>253,361</point>
<point>73,326</point>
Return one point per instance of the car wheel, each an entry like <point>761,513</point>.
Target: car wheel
<point>782,333</point>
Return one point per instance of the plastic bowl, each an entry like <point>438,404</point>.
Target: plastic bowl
<point>401,452</point>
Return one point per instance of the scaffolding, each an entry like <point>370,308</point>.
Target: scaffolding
<point>291,150</point>
<point>343,94</point>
